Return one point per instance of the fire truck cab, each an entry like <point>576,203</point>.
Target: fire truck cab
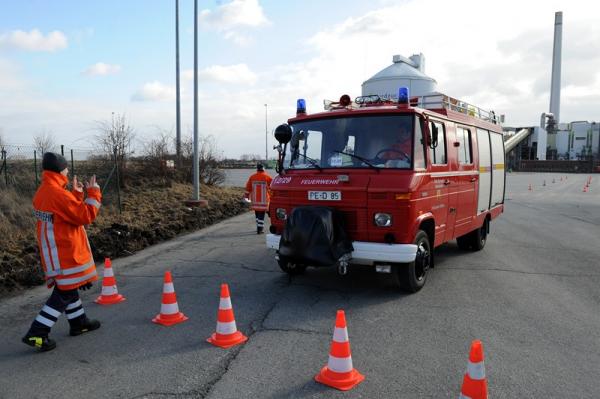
<point>382,182</point>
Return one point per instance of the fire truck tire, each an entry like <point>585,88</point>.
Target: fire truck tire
<point>411,277</point>
<point>464,242</point>
<point>289,267</point>
<point>480,237</point>
<point>475,240</point>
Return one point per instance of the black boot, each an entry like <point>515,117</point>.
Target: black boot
<point>44,344</point>
<point>259,230</point>
<point>84,325</point>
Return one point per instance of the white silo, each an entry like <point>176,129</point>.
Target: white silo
<point>404,72</point>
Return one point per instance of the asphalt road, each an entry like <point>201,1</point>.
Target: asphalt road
<point>532,296</point>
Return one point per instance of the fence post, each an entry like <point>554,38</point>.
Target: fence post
<point>4,166</point>
<point>62,150</point>
<point>72,164</point>
<point>37,181</point>
<point>118,182</point>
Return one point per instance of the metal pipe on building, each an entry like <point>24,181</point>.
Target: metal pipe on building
<point>513,141</point>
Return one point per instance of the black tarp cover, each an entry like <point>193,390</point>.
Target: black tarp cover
<point>315,236</point>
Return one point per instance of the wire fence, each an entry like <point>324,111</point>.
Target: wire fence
<point>21,169</point>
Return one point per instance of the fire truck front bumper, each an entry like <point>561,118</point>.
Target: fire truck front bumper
<point>368,253</point>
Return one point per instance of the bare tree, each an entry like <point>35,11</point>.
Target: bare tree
<point>44,141</point>
<point>2,139</point>
<point>209,156</point>
<point>115,138</point>
<point>158,150</point>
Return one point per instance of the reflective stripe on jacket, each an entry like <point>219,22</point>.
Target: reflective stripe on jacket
<point>258,189</point>
<point>64,247</point>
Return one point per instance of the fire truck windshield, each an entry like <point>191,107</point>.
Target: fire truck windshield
<point>382,141</point>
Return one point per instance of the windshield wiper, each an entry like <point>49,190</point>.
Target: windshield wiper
<point>311,161</point>
<point>365,160</point>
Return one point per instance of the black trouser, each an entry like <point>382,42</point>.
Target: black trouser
<point>260,220</point>
<point>59,302</point>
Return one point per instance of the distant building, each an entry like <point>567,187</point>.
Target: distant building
<point>579,140</point>
<point>576,141</point>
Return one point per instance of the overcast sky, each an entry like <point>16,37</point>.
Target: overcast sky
<point>65,64</point>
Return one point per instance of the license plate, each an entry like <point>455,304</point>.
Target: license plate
<point>325,195</point>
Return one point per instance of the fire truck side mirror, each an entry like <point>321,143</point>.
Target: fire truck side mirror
<point>283,133</point>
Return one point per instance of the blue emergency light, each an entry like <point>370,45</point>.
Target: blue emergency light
<point>403,95</point>
<point>300,106</point>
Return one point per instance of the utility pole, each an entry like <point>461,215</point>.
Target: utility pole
<point>196,201</point>
<point>266,138</point>
<point>177,101</point>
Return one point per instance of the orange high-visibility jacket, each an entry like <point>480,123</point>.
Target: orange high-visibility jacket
<point>64,247</point>
<point>258,190</point>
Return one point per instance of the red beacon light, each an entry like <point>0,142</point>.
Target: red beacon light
<point>345,100</point>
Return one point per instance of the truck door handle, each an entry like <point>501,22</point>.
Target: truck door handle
<point>446,182</point>
<point>473,179</point>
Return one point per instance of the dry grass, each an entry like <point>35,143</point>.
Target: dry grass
<point>152,212</point>
<point>15,214</point>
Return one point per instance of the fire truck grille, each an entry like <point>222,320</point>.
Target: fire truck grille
<point>350,221</point>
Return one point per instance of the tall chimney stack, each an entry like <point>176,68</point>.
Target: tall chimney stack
<point>556,61</point>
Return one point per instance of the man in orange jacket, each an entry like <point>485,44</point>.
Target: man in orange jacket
<point>64,249</point>
<point>258,191</point>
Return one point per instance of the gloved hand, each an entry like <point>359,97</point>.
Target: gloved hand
<point>86,286</point>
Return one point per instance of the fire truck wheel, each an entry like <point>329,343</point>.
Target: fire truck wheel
<point>411,277</point>
<point>480,237</point>
<point>475,240</point>
<point>464,242</point>
<point>290,267</point>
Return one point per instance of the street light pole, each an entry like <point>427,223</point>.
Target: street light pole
<point>266,138</point>
<point>196,201</point>
<point>177,92</point>
<point>196,194</point>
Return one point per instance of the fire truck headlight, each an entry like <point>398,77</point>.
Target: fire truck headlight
<point>383,219</point>
<point>281,213</point>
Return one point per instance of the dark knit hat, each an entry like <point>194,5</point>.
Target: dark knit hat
<point>260,166</point>
<point>54,162</point>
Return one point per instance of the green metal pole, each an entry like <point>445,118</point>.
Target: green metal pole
<point>37,181</point>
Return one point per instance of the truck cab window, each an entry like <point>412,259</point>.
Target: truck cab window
<point>437,155</point>
<point>463,136</point>
<point>419,145</point>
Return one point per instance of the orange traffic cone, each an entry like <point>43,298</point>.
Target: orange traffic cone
<point>474,384</point>
<point>227,334</point>
<point>169,310</point>
<point>339,372</point>
<point>109,294</point>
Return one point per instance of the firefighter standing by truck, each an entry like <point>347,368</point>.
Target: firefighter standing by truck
<point>258,192</point>
<point>64,248</point>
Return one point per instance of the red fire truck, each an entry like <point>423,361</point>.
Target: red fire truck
<point>382,182</point>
